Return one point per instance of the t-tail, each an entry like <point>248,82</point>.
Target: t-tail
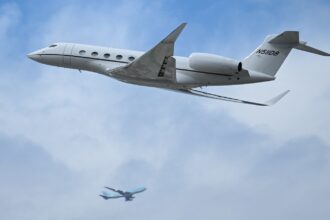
<point>270,55</point>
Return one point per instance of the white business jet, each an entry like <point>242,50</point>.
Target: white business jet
<point>159,68</point>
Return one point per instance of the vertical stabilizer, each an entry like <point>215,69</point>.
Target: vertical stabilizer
<point>270,55</point>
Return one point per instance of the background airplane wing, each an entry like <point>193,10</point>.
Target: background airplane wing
<point>155,64</point>
<point>115,190</point>
<point>224,98</point>
<point>137,190</point>
<point>114,195</point>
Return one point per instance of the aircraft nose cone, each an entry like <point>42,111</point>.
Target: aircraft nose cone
<point>38,55</point>
<point>34,56</point>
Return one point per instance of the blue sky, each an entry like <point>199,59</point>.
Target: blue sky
<point>65,134</point>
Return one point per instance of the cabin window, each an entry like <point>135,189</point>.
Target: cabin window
<point>119,57</point>
<point>94,54</point>
<point>106,55</point>
<point>53,45</point>
<point>131,58</point>
<point>82,52</point>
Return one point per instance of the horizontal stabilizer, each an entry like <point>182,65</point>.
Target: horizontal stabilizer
<point>287,37</point>
<point>302,46</point>
<point>291,39</point>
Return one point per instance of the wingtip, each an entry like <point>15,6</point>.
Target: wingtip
<point>277,98</point>
<point>180,28</point>
<point>103,197</point>
<point>184,24</point>
<point>175,34</point>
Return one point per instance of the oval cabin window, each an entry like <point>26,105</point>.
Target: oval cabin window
<point>131,58</point>
<point>119,57</point>
<point>94,54</point>
<point>106,55</point>
<point>82,52</point>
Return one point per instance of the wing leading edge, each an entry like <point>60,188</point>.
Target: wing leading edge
<point>229,99</point>
<point>155,64</point>
<point>107,195</point>
<point>116,191</point>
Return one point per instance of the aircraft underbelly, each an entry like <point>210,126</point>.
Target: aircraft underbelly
<point>202,79</point>
<point>149,82</point>
<point>185,77</point>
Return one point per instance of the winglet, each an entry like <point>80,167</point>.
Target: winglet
<point>171,38</point>
<point>276,98</point>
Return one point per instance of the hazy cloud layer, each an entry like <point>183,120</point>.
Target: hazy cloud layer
<point>65,134</point>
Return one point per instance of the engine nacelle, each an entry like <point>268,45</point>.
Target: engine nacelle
<point>213,63</point>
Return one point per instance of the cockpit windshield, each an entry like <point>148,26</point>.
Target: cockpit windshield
<point>53,45</point>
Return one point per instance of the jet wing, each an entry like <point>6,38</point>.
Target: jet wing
<point>155,64</point>
<point>224,98</point>
<point>137,190</point>
<point>116,191</point>
<point>107,195</point>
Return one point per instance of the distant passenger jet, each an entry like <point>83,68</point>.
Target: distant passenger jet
<point>159,68</point>
<point>128,195</point>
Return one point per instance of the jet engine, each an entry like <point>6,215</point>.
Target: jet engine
<point>214,64</point>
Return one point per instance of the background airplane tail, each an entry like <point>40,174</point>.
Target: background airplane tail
<point>270,55</point>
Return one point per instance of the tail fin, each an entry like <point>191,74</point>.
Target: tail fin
<point>269,56</point>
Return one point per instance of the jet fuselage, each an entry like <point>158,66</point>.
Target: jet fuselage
<point>103,59</point>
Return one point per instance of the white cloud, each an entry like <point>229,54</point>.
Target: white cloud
<point>9,17</point>
<point>199,158</point>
